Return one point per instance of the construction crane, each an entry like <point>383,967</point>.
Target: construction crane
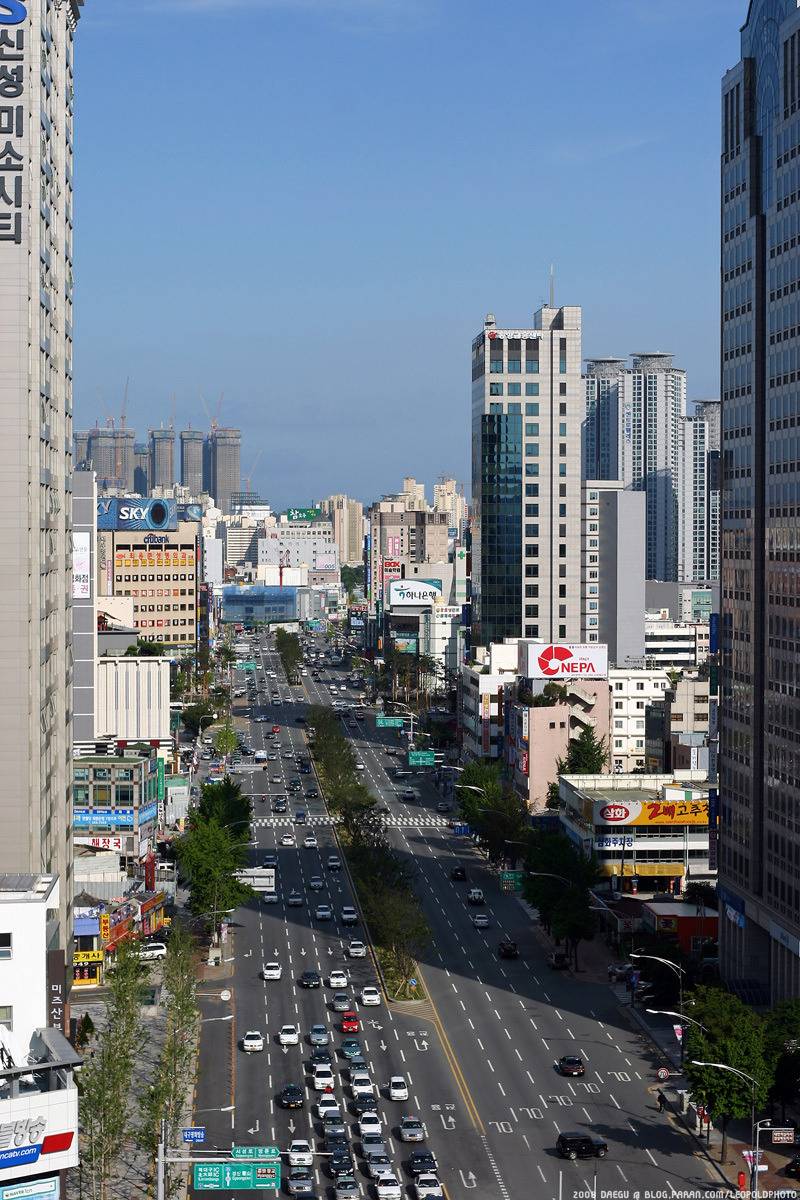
<point>123,416</point>
<point>248,479</point>
<point>213,419</point>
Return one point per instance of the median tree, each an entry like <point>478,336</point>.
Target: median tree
<point>225,740</point>
<point>209,856</point>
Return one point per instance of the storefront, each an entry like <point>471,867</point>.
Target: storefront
<point>151,913</point>
<point>87,968</point>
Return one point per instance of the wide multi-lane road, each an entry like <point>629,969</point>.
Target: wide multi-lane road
<point>479,1057</point>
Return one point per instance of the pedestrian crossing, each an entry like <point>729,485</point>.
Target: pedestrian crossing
<point>393,822</point>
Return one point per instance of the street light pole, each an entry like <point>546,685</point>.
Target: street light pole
<point>679,971</point>
<point>753,1130</point>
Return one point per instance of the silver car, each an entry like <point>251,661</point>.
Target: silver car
<point>319,1036</point>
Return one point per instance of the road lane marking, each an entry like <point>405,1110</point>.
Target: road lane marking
<point>649,1155</point>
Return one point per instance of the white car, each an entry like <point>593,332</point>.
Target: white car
<point>323,912</point>
<point>310,839</point>
<point>361,1084</point>
<point>370,996</point>
<point>480,921</point>
<point>316,883</point>
<point>427,1187</point>
<point>388,1187</point>
<point>322,1078</point>
<point>327,1104</point>
<point>287,840</point>
<point>337,979</point>
<point>253,1041</point>
<point>271,970</point>
<point>357,949</point>
<point>369,1122</point>
<point>300,1153</point>
<point>269,898</point>
<point>398,1088</point>
<point>349,915</point>
<point>289,1035</point>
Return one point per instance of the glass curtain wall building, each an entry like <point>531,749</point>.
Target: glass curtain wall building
<point>759,759</point>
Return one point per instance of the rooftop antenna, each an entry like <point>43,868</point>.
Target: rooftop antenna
<point>552,286</point>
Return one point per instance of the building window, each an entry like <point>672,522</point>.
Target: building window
<point>562,356</point>
<point>514,409</point>
<point>531,389</point>
<point>7,1017</point>
<point>496,366</point>
<point>562,469</point>
<point>532,449</point>
<point>562,389</point>
<point>531,469</point>
<point>495,389</point>
<point>495,408</point>
<point>532,429</point>
<point>515,389</point>
<point>5,945</point>
<point>531,366</point>
<point>514,366</point>
<point>562,429</point>
<point>562,631</point>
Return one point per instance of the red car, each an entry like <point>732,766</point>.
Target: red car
<point>276,728</point>
<point>349,1022</point>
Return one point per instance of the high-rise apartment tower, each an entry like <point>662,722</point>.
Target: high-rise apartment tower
<point>192,460</point>
<point>36,216</point>
<point>527,415</point>
<point>162,458</point>
<point>759,750</point>
<point>225,466</point>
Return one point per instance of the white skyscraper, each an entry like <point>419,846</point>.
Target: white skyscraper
<point>36,120</point>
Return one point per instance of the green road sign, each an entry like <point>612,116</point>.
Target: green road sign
<point>389,722</point>
<point>421,758</point>
<point>511,881</point>
<point>236,1176</point>
<point>262,1153</point>
<point>248,666</point>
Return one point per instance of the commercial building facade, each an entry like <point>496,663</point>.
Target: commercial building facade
<point>759,753</point>
<point>613,550</point>
<point>116,803</point>
<point>400,537</point>
<point>527,413</point>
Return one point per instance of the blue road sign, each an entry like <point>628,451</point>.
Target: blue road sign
<point>461,830</point>
<point>196,1134</point>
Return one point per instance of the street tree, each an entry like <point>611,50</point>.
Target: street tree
<point>208,856</point>
<point>223,800</point>
<point>586,755</point>
<point>225,740</point>
<point>782,1050</point>
<point>736,1036</point>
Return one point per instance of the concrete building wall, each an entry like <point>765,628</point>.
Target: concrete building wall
<point>162,458</point>
<point>225,466</point>
<point>84,612</point>
<point>23,975</point>
<point>613,553</point>
<point>632,690</point>
<point>191,442</point>
<point>132,699</point>
<point>160,573</point>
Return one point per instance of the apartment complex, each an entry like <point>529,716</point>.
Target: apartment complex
<point>36,224</point>
<point>759,753</point>
<point>527,411</point>
<point>224,466</point>
<point>191,442</point>
<point>347,517</point>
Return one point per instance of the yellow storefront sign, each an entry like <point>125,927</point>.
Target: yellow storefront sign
<point>671,869</point>
<point>88,956</point>
<point>663,811</point>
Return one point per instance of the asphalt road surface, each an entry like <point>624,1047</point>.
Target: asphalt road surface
<point>479,1058</point>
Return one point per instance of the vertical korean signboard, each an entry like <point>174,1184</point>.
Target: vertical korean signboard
<point>486,723</point>
<point>15,43</point>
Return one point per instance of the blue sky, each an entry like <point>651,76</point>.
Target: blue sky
<point>309,206</point>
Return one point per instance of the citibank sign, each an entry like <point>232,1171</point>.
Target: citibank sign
<point>12,12</point>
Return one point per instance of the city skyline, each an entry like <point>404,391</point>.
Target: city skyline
<point>322,306</point>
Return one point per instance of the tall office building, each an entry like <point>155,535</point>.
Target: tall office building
<point>101,452</point>
<point>348,527</point>
<point>36,586</point>
<point>192,460</point>
<point>632,432</point>
<point>141,468</point>
<point>162,458</point>
<point>527,415</point>
<point>225,466</point>
<point>759,752</point>
<point>698,496</point>
<point>81,450</point>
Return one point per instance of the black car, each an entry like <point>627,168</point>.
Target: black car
<point>458,874</point>
<point>279,806</point>
<point>792,1168</point>
<point>335,1141</point>
<point>311,793</point>
<point>341,1163</point>
<point>310,979</point>
<point>580,1145</point>
<point>571,1064</point>
<point>291,1096</point>
<point>507,949</point>
<point>363,1104</point>
<point>321,1055</point>
<point>421,1162</point>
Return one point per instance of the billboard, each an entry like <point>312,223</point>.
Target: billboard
<point>81,566</point>
<point>119,513</point>
<point>408,593</point>
<point>676,807</point>
<point>303,514</point>
<point>486,723</point>
<point>102,818</point>
<point>38,1133</point>
<point>562,660</point>
<point>404,644</point>
<point>326,560</point>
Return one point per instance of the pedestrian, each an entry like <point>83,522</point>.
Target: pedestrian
<point>661,1100</point>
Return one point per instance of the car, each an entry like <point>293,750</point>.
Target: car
<point>377,1164</point>
<point>792,1168</point>
<point>270,860</point>
<point>301,1182</point>
<point>334,1141</point>
<point>340,1002</point>
<point>311,793</point>
<point>327,1104</point>
<point>289,1035</point>
<point>443,807</point>
<point>337,979</point>
<point>333,1123</point>
<point>388,1187</point>
<point>253,1041</point>
<point>323,912</point>
<point>346,1188</point>
<point>570,1064</point>
<point>310,979</point>
<point>398,1088</point>
<point>427,1187</point>
<point>300,816</point>
<point>269,897</point>
<point>475,896</point>
<point>412,1130</point>
<point>300,1153</point>
<point>276,779</point>
<point>580,1145</point>
<point>558,960</point>
<point>619,972</point>
<point>276,728</point>
<point>481,921</point>
<point>407,795</point>
<point>506,948</point>
<point>422,1162</point>
<point>458,874</point>
<point>152,951</point>
<point>271,970</point>
<point>310,840</point>
<point>316,883</point>
<point>291,1096</point>
<point>323,1079</point>
<point>361,1084</point>
<point>287,839</point>
<point>279,806</point>
<point>341,1161</point>
<point>357,949</point>
<point>320,1056</point>
<point>350,1023</point>
<point>369,1122</point>
<point>351,1047</point>
<point>295,899</point>
<point>349,915</point>
<point>370,996</point>
<point>334,862</point>
<point>318,1035</point>
<point>288,755</point>
<point>272,756</point>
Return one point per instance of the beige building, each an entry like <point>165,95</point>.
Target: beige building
<point>160,572</point>
<point>401,537</point>
<point>448,496</point>
<point>36,222</point>
<point>347,518</point>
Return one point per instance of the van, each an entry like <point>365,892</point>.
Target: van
<point>261,756</point>
<point>150,951</point>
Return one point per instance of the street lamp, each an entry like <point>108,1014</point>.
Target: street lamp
<point>679,971</point>
<point>753,1130</point>
<point>665,1012</point>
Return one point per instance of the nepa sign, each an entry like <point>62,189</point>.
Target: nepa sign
<point>561,660</point>
<point>409,592</point>
<point>12,12</point>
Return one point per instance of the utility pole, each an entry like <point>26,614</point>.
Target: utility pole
<point>160,1164</point>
